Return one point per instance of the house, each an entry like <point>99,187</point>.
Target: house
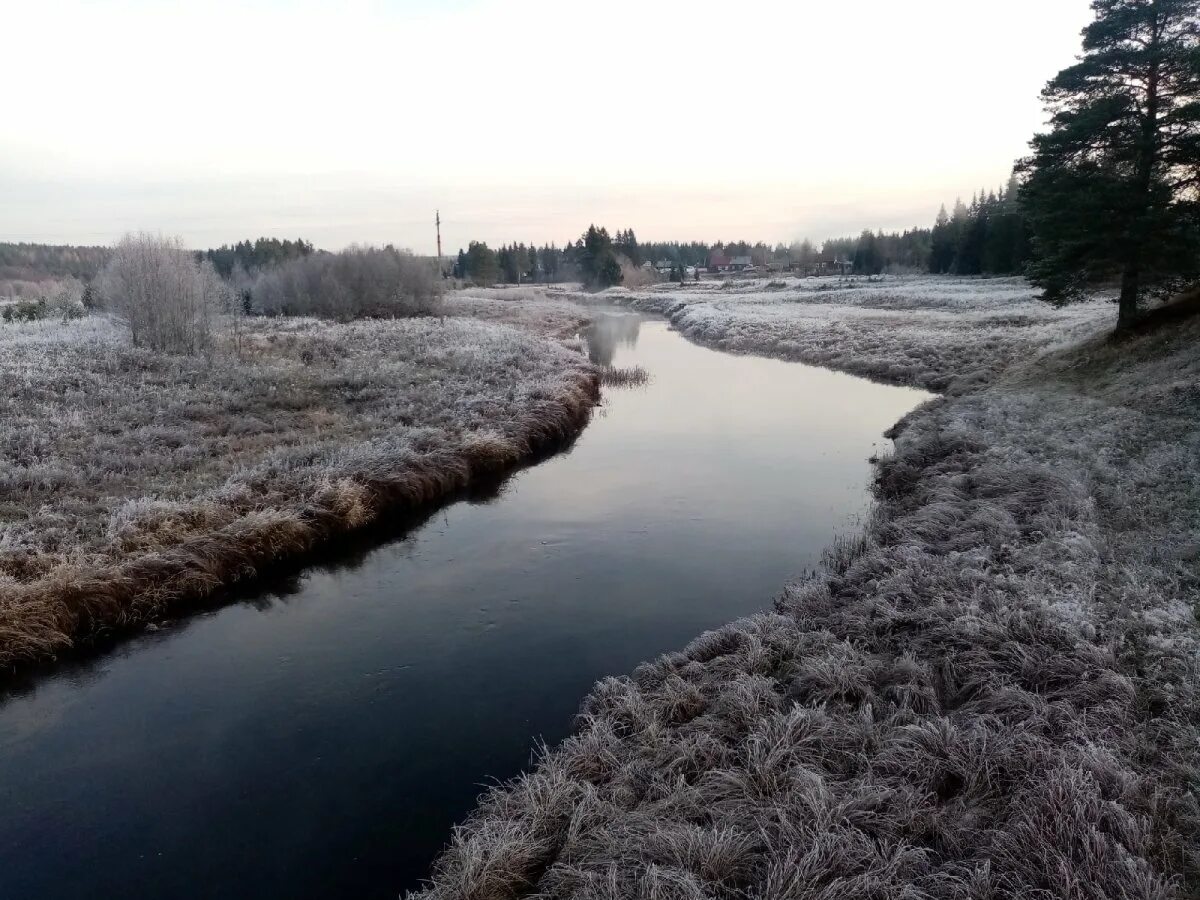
<point>827,266</point>
<point>719,262</point>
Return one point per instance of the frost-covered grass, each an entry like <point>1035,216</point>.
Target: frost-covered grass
<point>132,479</point>
<point>991,694</point>
<point>942,334</point>
<point>527,307</point>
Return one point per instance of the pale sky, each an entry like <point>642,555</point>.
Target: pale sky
<point>521,120</point>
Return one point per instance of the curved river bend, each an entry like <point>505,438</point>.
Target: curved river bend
<point>320,738</point>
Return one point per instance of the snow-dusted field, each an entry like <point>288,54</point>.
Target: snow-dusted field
<point>991,694</point>
<point>132,478</point>
<point>527,307</point>
<point>943,334</point>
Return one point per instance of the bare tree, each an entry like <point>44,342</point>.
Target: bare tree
<point>169,299</point>
<point>357,283</point>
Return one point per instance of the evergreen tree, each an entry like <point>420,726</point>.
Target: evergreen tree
<point>609,273</point>
<point>521,261</point>
<point>868,259</point>
<point>482,267</point>
<point>550,257</point>
<point>972,240</point>
<point>941,253</point>
<point>597,261</point>
<point>1111,188</point>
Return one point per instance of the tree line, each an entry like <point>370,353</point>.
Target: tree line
<point>252,256</point>
<point>595,258</point>
<point>987,237</point>
<point>172,298</point>
<point>33,261</point>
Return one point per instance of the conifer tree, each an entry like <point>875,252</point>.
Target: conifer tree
<point>1111,188</point>
<point>941,254</point>
<point>597,261</point>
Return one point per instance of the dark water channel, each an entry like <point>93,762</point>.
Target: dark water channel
<point>321,737</point>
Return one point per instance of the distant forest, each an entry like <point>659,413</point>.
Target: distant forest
<point>986,237</point>
<point>254,256</point>
<point>34,262</point>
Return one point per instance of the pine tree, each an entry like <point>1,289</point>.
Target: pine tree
<point>941,254</point>
<point>632,250</point>
<point>597,261</point>
<point>609,273</point>
<point>1111,188</point>
<point>481,264</point>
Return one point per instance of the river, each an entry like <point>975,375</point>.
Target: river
<point>320,736</point>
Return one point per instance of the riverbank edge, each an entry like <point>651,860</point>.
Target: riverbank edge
<point>1101,798</point>
<point>66,610</point>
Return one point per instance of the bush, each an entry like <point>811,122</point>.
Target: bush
<point>635,276</point>
<point>56,298</point>
<point>361,282</point>
<point>26,310</point>
<point>169,299</point>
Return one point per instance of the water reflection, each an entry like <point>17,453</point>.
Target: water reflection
<point>609,333</point>
<point>272,587</point>
<point>320,738</point>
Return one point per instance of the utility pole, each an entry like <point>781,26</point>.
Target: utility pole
<point>438,222</point>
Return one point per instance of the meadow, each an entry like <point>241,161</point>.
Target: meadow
<point>939,333</point>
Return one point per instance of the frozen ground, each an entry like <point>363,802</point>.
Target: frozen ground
<point>991,694</point>
<point>132,479</point>
<point>527,307</point>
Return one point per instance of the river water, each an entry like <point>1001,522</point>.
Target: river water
<point>320,737</point>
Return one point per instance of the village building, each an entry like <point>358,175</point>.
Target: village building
<point>718,262</point>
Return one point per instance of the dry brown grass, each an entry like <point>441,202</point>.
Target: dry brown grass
<point>135,481</point>
<point>624,376</point>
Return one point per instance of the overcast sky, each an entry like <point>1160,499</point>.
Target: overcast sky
<point>351,121</point>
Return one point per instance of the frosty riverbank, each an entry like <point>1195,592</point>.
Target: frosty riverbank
<point>991,694</point>
<point>138,480</point>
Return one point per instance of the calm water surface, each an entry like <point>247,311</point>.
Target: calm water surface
<point>321,737</point>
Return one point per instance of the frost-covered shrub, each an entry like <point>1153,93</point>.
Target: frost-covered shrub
<point>169,299</point>
<point>361,282</point>
<point>62,299</point>
<point>26,311</point>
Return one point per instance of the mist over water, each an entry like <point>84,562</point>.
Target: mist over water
<point>322,736</point>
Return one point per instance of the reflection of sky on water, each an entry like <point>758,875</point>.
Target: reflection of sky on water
<point>322,744</point>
